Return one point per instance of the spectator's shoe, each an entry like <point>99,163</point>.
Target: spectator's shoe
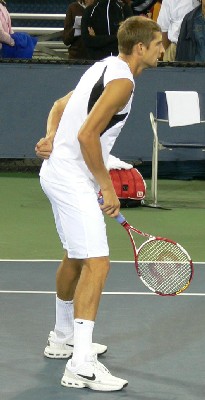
<point>93,375</point>
<point>59,349</point>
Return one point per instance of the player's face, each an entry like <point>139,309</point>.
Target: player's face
<point>154,51</point>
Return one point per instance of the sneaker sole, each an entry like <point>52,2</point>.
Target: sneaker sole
<point>63,355</point>
<point>78,384</point>
<point>58,355</point>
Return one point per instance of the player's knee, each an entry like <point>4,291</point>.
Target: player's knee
<point>98,267</point>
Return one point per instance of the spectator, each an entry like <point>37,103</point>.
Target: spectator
<point>72,29</point>
<point>191,42</point>
<point>143,7</point>
<point>170,18</point>
<point>13,45</point>
<point>5,26</point>
<point>100,23</point>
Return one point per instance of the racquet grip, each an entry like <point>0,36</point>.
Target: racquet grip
<point>120,219</point>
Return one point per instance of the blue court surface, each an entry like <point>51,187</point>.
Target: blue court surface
<point>157,343</point>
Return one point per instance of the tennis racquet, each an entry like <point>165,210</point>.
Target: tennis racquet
<point>163,265</point>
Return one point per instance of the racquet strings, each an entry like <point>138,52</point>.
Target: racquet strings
<point>165,267</point>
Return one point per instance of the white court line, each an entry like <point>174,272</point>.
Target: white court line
<point>36,260</point>
<point>112,261</point>
<point>104,293</point>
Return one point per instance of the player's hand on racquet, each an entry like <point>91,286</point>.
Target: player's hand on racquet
<point>44,148</point>
<point>110,204</point>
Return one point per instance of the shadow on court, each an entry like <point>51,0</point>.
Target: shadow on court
<point>156,343</point>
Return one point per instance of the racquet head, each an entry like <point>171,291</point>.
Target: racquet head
<point>164,266</point>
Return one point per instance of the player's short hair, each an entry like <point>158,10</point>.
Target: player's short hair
<point>135,30</point>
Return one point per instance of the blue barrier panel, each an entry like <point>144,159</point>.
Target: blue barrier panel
<point>28,90</point>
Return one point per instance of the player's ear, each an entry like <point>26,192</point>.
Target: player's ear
<point>139,49</point>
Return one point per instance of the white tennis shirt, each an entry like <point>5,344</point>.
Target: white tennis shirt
<point>66,162</point>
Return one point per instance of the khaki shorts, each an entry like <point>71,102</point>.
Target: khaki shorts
<point>78,218</point>
<point>170,53</point>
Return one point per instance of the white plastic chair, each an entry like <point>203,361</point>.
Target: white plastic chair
<point>160,144</point>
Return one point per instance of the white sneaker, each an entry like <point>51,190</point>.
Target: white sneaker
<point>56,349</point>
<point>92,374</point>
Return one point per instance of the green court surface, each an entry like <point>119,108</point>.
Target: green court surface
<point>28,230</point>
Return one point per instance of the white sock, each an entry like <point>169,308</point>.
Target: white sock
<point>64,326</point>
<point>83,332</point>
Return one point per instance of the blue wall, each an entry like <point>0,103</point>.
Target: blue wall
<point>27,92</point>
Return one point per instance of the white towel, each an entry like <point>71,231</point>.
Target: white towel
<point>116,163</point>
<point>183,108</point>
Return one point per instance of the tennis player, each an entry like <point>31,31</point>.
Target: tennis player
<point>81,130</point>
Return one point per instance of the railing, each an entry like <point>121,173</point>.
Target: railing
<point>38,16</point>
<point>46,46</point>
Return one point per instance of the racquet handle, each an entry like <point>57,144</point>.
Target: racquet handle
<point>120,218</point>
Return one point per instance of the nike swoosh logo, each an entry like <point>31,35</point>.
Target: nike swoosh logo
<point>89,378</point>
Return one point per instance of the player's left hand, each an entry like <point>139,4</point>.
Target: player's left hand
<point>44,148</point>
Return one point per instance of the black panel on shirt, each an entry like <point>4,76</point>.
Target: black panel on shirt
<point>94,96</point>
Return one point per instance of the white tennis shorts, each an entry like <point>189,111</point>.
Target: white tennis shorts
<point>78,218</point>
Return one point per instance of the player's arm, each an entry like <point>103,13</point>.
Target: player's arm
<point>44,147</point>
<point>114,97</point>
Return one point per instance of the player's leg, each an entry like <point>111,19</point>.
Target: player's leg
<point>86,303</point>
<point>90,286</point>
<point>60,340</point>
<point>82,230</point>
<point>67,276</point>
<point>84,370</point>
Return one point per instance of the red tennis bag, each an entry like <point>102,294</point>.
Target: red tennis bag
<point>129,185</point>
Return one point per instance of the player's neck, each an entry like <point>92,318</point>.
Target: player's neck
<point>129,60</point>
<point>126,59</point>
